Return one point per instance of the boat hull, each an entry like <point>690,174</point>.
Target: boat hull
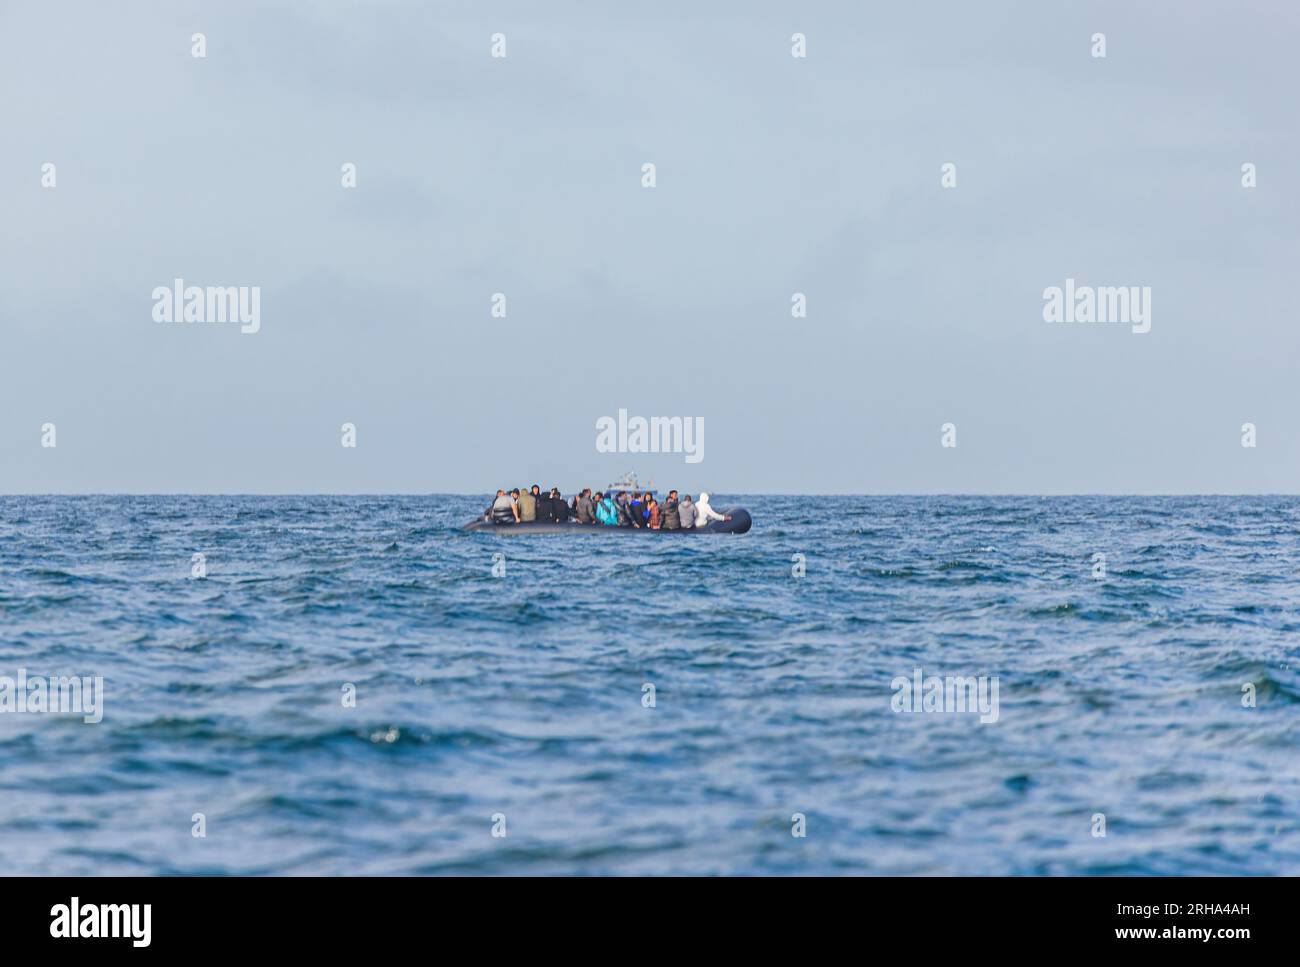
<point>740,522</point>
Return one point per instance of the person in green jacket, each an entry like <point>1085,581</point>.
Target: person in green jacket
<point>527,508</point>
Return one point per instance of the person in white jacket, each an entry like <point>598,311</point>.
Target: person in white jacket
<point>704,513</point>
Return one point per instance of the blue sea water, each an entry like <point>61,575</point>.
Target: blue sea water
<point>522,696</point>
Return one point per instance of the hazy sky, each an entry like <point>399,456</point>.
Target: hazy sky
<point>775,175</point>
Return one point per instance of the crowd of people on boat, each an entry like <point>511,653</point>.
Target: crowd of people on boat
<point>622,509</point>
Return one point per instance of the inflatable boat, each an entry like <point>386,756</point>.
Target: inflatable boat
<point>740,522</point>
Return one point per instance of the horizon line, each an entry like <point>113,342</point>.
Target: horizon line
<point>748,493</point>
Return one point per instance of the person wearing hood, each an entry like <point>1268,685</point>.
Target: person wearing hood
<point>704,513</point>
<point>686,512</point>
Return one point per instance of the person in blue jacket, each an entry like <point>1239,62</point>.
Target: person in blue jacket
<point>606,513</point>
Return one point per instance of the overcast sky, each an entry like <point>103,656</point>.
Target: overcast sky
<point>775,175</point>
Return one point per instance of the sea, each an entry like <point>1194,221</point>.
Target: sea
<point>936,685</point>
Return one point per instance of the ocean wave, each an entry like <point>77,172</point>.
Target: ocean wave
<point>354,688</point>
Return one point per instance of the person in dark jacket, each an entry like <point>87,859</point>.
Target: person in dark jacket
<point>559,509</point>
<point>546,505</point>
<point>668,518</point>
<point>636,509</point>
<point>545,514</point>
<point>621,505</point>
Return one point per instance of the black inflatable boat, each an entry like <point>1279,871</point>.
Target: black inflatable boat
<point>739,523</point>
